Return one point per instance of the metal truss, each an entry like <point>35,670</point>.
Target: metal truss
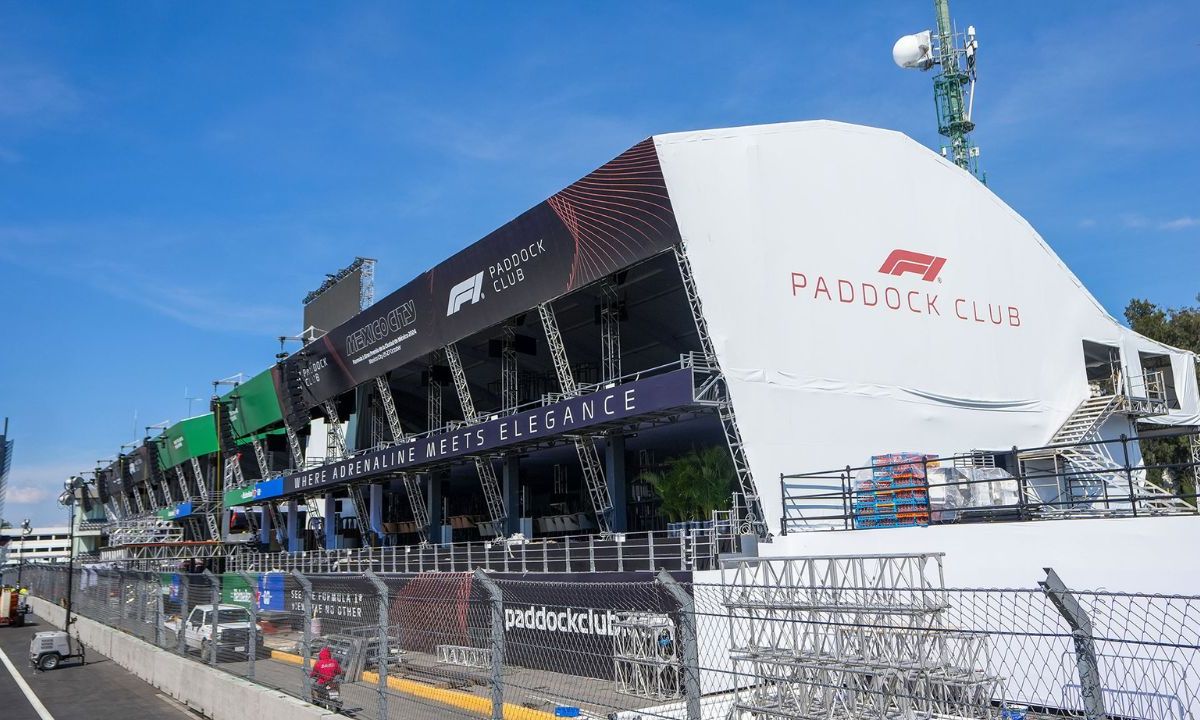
<point>389,408</point>
<point>335,441</point>
<point>646,660</point>
<point>260,456</point>
<point>129,532</point>
<point>754,521</point>
<point>483,466</point>
<point>464,656</point>
<point>509,388</point>
<point>492,494</point>
<point>294,446</point>
<point>363,511</point>
<point>852,637</point>
<point>459,376</point>
<point>585,447</point>
<point>433,400</point>
<point>416,501</point>
<point>412,485</point>
<point>610,333</point>
<point>198,476</point>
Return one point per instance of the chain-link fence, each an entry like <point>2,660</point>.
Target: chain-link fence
<point>828,637</point>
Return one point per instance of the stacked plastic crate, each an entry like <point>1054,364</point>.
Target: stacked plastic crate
<point>897,494</point>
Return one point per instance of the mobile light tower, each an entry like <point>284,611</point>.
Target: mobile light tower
<point>953,54</point>
<point>26,531</point>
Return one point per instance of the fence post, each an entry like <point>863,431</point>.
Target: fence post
<point>382,653</point>
<point>214,584</point>
<point>306,645</point>
<point>687,642</point>
<point>252,636</point>
<point>160,639</point>
<point>1090,686</point>
<point>496,598</point>
<point>120,598</point>
<point>185,581</point>
<point>1133,499</point>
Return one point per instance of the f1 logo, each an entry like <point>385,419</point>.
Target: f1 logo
<point>467,291</point>
<point>907,261</point>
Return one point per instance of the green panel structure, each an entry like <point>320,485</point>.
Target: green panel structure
<point>254,405</point>
<point>186,439</point>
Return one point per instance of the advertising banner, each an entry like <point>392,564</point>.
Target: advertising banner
<point>179,510</point>
<point>253,405</point>
<point>137,466</point>
<point>574,632</point>
<point>655,393</point>
<point>186,439</point>
<point>614,217</point>
<point>259,491</point>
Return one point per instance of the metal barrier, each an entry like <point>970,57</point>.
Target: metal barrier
<point>1103,478</point>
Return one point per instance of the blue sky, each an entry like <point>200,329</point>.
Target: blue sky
<point>174,177</point>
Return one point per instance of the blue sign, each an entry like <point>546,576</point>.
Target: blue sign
<point>268,488</point>
<point>174,591</point>
<point>619,402</point>
<point>271,592</point>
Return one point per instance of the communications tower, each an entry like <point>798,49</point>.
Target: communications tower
<point>953,54</point>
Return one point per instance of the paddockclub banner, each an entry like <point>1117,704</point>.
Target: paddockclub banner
<point>614,217</point>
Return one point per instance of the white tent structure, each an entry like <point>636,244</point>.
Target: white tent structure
<point>865,296</point>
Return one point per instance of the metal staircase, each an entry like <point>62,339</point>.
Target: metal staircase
<point>585,447</point>
<point>1088,478</point>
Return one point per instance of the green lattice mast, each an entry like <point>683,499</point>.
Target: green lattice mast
<point>953,54</point>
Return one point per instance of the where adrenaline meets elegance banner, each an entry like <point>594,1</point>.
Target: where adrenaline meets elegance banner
<point>659,392</point>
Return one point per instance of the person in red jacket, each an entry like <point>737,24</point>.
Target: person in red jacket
<point>326,669</point>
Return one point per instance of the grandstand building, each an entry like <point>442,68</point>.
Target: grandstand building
<point>805,295</point>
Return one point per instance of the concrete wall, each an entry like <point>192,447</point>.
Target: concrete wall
<point>215,694</point>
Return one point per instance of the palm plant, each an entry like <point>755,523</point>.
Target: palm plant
<point>694,484</point>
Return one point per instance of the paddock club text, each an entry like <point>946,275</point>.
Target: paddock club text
<point>919,302</point>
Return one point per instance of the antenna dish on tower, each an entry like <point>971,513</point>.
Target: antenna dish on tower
<point>914,52</point>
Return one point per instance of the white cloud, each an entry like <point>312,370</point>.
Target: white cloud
<point>1180,223</point>
<point>27,495</point>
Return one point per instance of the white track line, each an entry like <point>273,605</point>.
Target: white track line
<point>33,699</point>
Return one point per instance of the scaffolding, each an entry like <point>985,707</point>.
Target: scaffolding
<point>852,637</point>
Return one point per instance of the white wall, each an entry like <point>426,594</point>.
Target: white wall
<point>787,227</point>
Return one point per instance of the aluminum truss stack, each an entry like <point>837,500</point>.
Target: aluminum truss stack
<point>851,637</point>
<point>131,532</point>
<point>754,520</point>
<point>585,447</point>
<point>464,656</point>
<point>646,660</point>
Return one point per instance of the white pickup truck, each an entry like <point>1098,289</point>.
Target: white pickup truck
<point>233,631</point>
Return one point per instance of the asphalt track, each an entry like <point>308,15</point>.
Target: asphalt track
<point>99,690</point>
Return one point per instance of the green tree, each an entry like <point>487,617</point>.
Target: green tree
<point>1179,327</point>
<point>694,484</point>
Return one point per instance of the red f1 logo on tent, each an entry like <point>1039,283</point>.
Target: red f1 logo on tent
<point>907,261</point>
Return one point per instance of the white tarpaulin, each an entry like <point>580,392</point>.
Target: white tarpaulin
<point>864,295</point>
